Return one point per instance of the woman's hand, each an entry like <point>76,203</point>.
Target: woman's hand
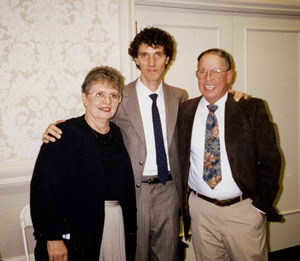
<point>57,250</point>
<point>54,131</point>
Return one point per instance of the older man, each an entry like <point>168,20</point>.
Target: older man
<point>230,166</point>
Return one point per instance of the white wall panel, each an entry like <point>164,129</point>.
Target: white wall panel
<point>273,76</point>
<point>266,51</point>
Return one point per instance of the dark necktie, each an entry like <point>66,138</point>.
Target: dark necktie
<point>212,160</point>
<point>161,156</point>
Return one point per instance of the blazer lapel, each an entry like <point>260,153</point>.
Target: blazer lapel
<point>189,123</point>
<point>186,122</point>
<point>236,130</point>
<point>130,104</point>
<point>171,107</point>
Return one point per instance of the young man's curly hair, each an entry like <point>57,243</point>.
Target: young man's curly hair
<point>153,37</point>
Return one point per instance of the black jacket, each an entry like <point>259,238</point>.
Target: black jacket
<point>67,193</point>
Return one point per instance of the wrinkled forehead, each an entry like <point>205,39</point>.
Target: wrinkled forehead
<point>211,61</point>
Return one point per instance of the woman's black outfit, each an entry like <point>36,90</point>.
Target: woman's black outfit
<point>71,180</point>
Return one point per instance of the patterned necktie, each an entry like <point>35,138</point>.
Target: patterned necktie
<point>161,156</point>
<point>212,161</point>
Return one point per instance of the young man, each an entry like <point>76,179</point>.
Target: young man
<point>230,166</point>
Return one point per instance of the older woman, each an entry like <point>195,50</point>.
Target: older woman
<point>82,190</point>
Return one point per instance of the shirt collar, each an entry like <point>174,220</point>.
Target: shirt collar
<point>142,89</point>
<point>220,103</point>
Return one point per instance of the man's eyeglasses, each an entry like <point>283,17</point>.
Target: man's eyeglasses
<point>214,73</point>
<point>101,96</point>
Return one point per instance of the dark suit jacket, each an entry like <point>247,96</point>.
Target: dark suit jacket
<point>129,119</point>
<point>67,193</point>
<point>251,148</point>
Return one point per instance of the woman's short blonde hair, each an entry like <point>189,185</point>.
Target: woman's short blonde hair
<point>103,74</point>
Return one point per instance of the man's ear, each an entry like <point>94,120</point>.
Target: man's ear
<point>167,60</point>
<point>229,76</point>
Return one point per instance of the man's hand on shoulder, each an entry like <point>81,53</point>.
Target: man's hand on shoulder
<point>238,95</point>
<point>52,132</point>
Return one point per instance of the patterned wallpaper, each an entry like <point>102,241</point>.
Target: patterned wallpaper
<point>46,49</point>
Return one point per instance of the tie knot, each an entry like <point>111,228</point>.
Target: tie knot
<point>153,97</point>
<point>212,107</point>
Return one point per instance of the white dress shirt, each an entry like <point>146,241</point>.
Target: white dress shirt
<point>227,188</point>
<point>145,103</point>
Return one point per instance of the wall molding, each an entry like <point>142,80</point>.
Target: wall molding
<point>289,212</point>
<point>275,7</point>
<point>16,173</point>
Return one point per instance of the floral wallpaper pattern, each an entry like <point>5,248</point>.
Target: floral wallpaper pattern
<point>46,49</point>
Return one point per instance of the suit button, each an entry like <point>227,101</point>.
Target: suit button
<point>141,163</point>
<point>138,185</point>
